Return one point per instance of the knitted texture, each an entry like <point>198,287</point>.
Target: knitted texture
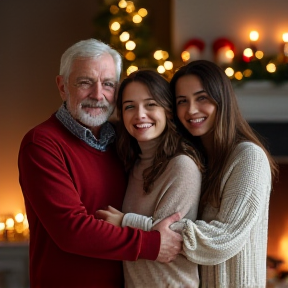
<point>231,241</point>
<point>176,190</point>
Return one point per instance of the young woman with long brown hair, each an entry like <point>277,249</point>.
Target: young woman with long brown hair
<point>164,175</point>
<point>230,238</point>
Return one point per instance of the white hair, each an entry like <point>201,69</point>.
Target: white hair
<point>90,48</point>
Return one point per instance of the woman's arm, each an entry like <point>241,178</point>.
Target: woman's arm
<point>245,198</point>
<point>181,196</point>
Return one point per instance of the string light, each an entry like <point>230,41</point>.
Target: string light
<point>122,4</point>
<point>131,69</point>
<point>130,56</point>
<point>124,36</point>
<point>168,65</point>
<point>115,26</point>
<point>259,54</point>
<point>130,7</point>
<point>271,68</point>
<point>130,45</point>
<point>161,69</point>
<point>143,12</point>
<point>137,19</point>
<point>185,55</point>
<point>158,55</point>
<point>229,72</point>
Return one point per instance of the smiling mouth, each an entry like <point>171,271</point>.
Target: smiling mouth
<point>198,120</point>
<point>144,125</point>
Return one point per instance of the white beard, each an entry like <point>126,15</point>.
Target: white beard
<point>86,118</point>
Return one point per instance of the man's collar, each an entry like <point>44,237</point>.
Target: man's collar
<point>107,132</point>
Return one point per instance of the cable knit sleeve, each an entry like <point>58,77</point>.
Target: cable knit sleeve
<point>225,230</point>
<point>179,191</point>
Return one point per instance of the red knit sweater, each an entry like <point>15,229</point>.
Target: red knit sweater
<point>64,181</point>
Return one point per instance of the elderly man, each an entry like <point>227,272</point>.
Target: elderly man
<point>69,169</point>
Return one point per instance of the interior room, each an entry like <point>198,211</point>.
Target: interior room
<point>35,33</point>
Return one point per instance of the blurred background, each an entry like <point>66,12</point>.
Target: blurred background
<point>248,39</point>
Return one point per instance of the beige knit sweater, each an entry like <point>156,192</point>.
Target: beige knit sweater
<point>176,190</point>
<point>231,241</point>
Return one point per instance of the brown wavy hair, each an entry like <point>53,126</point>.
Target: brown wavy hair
<point>230,128</point>
<point>171,143</point>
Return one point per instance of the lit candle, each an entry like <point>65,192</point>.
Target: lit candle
<point>254,36</point>
<point>285,40</point>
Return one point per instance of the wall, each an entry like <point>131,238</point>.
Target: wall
<point>33,34</point>
<point>209,20</point>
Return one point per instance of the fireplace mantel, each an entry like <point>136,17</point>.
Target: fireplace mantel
<point>263,101</point>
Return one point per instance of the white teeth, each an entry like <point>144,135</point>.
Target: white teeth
<point>197,120</point>
<point>144,125</point>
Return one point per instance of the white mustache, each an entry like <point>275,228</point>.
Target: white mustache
<point>92,104</point>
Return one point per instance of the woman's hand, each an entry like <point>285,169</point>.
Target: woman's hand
<point>110,215</point>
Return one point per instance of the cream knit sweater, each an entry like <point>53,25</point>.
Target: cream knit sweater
<point>231,241</point>
<point>176,190</point>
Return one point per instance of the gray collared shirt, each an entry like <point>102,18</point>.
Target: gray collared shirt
<point>107,132</point>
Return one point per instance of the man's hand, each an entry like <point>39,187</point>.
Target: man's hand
<point>171,242</point>
<point>110,215</point>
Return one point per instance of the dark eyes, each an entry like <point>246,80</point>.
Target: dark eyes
<point>198,98</point>
<point>148,105</point>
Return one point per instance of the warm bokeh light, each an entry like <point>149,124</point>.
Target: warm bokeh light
<point>130,7</point>
<point>229,72</point>
<point>131,69</point>
<point>161,69</point>
<point>229,54</point>
<point>142,12</point>
<point>248,52</point>
<point>271,67</point>
<point>115,26</point>
<point>285,37</point>
<point>124,36</point>
<point>137,19</point>
<point>122,4</point>
<point>9,223</point>
<point>19,217</point>
<point>185,55</point>
<point>130,56</point>
<point>2,226</point>
<point>158,54</point>
<point>283,244</point>
<point>259,54</point>
<point>165,55</point>
<point>130,45</point>
<point>238,75</point>
<point>247,73</point>
<point>254,35</point>
<point>114,9</point>
<point>168,65</point>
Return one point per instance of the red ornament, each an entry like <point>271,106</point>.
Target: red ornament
<point>222,42</point>
<point>195,47</point>
<point>220,48</point>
